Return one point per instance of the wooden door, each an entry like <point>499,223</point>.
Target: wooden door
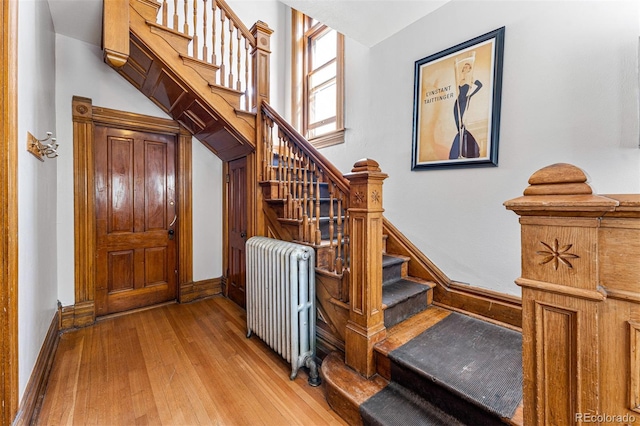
<point>135,219</point>
<point>237,214</point>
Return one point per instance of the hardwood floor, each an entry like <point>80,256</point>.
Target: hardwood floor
<point>188,364</point>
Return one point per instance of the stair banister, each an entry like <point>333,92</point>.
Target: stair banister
<point>314,155</point>
<point>581,300</point>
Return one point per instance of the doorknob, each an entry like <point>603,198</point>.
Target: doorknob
<point>175,217</point>
<point>171,233</point>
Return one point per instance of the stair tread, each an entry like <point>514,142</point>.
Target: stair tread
<point>478,362</point>
<point>399,291</point>
<point>390,260</point>
<point>396,405</point>
<point>401,333</point>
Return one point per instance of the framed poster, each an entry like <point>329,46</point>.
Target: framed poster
<point>456,105</point>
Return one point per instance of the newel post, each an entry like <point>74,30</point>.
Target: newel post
<point>115,32</point>
<point>260,62</point>
<point>260,54</point>
<point>561,295</point>
<point>365,326</point>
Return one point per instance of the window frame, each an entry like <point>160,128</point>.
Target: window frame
<point>304,30</point>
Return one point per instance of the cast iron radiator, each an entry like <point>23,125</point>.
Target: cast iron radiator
<point>281,300</point>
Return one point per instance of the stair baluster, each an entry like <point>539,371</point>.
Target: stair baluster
<point>305,200</point>
<point>175,15</point>
<point>164,13</point>
<point>185,28</point>
<point>311,234</point>
<point>247,103</point>
<point>222,55</point>
<point>299,198</point>
<point>213,32</point>
<point>281,193</point>
<point>332,243</point>
<point>194,40</point>
<point>231,28</point>
<point>318,237</point>
<point>238,59</point>
<point>205,51</point>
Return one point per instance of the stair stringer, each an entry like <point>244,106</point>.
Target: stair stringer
<point>488,305</point>
<point>157,69</point>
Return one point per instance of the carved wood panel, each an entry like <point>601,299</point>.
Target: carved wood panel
<point>556,356</point>
<point>560,254</point>
<point>634,376</point>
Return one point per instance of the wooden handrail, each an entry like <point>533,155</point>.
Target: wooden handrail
<point>320,160</point>
<point>237,22</point>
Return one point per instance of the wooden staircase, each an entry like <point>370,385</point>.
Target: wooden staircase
<point>368,277</point>
<point>165,63</point>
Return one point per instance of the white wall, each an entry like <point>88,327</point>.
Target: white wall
<point>36,185</point>
<point>207,189</point>
<point>570,94</point>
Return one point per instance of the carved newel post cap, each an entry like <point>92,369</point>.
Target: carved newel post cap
<point>560,190</point>
<point>558,179</point>
<point>366,165</point>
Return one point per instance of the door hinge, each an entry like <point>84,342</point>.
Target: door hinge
<point>228,178</point>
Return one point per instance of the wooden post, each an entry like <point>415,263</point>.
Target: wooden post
<point>115,32</point>
<point>260,54</point>
<point>561,295</point>
<point>365,326</point>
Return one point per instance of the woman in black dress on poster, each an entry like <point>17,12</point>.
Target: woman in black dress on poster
<point>464,144</point>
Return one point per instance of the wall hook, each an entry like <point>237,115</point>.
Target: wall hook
<point>40,148</point>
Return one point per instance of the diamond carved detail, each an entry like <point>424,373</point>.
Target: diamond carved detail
<point>359,197</point>
<point>557,254</point>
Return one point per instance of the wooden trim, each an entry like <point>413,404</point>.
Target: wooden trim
<point>9,212</point>
<point>85,118</point>
<point>200,289</point>
<point>115,32</point>
<point>580,293</point>
<point>299,88</point>
<point>37,386</point>
<point>225,226</point>
<point>185,210</point>
<point>84,204</point>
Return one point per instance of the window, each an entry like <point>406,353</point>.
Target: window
<point>318,82</point>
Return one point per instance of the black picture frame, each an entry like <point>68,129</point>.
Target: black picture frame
<point>456,106</point>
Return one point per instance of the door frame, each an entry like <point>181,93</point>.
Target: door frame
<point>254,199</point>
<point>9,212</point>
<point>85,118</point>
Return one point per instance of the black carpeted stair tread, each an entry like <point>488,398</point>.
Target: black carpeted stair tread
<point>401,290</point>
<point>464,360</point>
<point>396,405</point>
<point>391,260</point>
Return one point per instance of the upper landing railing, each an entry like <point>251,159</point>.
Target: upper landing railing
<point>218,37</point>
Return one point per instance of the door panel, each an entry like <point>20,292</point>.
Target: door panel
<point>237,197</point>
<point>135,207</point>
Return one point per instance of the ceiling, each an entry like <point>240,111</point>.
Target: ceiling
<point>366,21</point>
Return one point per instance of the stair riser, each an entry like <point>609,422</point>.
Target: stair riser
<point>398,313</point>
<point>392,273</point>
<point>442,398</point>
